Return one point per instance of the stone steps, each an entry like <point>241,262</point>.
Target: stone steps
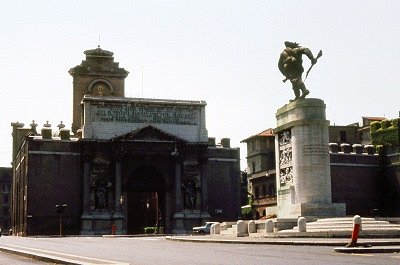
<point>332,225</point>
<point>347,221</point>
<point>335,227</point>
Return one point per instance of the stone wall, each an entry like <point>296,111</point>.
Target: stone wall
<point>353,179</point>
<point>365,180</point>
<point>53,177</point>
<point>223,183</point>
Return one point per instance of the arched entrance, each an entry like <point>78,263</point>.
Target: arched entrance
<point>145,200</point>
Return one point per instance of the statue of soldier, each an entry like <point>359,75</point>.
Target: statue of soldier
<point>291,66</point>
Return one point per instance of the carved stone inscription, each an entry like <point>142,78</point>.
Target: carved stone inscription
<point>315,150</point>
<point>142,113</point>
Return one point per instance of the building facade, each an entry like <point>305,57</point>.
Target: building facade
<point>261,171</point>
<point>5,198</point>
<point>130,163</point>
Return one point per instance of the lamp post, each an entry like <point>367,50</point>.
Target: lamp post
<point>60,210</point>
<point>147,212</point>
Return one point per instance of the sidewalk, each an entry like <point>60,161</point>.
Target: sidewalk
<point>366,245</point>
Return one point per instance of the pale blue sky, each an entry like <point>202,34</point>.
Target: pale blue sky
<point>223,52</point>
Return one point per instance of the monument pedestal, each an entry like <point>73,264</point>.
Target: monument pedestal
<point>302,162</point>
<point>309,210</point>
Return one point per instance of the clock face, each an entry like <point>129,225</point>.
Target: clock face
<point>100,90</point>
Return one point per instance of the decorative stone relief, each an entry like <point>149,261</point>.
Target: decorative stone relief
<point>285,138</point>
<point>285,158</point>
<point>286,175</point>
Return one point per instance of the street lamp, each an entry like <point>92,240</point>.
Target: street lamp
<point>60,210</point>
<point>147,211</point>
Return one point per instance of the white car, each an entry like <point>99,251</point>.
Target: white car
<point>204,229</point>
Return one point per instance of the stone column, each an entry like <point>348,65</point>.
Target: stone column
<point>178,226</point>
<point>204,195</point>
<point>178,186</point>
<point>118,216</point>
<point>310,143</point>
<point>86,180</point>
<point>205,215</point>
<point>86,219</point>
<point>118,177</point>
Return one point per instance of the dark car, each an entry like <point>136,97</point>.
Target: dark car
<point>204,229</point>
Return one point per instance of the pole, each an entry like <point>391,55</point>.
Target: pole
<point>356,231</point>
<point>60,224</point>
<point>60,209</point>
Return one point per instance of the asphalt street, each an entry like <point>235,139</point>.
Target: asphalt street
<point>158,250</point>
<point>10,259</point>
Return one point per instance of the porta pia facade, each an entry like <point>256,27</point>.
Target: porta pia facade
<point>130,163</point>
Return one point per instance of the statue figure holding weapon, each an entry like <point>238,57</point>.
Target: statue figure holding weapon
<point>291,66</point>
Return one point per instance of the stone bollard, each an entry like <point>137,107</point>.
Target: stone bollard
<point>241,229</point>
<point>302,224</point>
<point>212,229</point>
<point>276,229</point>
<point>215,229</point>
<point>357,227</point>
<point>252,227</point>
<point>269,226</point>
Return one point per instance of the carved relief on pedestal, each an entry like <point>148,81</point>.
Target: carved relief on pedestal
<point>285,158</point>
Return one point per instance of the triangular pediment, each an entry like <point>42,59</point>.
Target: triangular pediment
<point>150,134</point>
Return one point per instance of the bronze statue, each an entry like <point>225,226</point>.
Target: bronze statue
<point>291,66</point>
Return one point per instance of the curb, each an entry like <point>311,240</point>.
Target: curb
<point>394,244</point>
<point>259,242</point>
<point>38,257</point>
<point>58,258</point>
<point>387,249</point>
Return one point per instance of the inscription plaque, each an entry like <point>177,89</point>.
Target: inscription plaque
<point>125,113</point>
<point>315,150</point>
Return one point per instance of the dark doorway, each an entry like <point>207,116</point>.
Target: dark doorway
<point>145,207</point>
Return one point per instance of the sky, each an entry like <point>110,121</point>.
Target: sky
<point>224,52</point>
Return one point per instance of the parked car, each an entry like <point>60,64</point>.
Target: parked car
<point>204,229</point>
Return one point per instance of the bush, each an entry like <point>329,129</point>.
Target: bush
<point>386,124</point>
<point>395,123</point>
<point>376,125</point>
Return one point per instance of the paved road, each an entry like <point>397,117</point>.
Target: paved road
<point>157,250</point>
<point>10,259</point>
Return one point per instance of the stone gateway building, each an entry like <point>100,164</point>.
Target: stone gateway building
<point>129,163</point>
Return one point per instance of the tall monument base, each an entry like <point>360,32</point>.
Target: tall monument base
<point>303,176</point>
